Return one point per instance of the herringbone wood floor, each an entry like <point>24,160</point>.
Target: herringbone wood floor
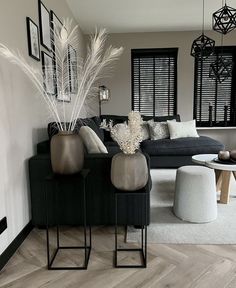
<point>180,266</point>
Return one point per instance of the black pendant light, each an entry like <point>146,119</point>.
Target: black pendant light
<point>221,69</point>
<point>202,46</point>
<point>224,19</point>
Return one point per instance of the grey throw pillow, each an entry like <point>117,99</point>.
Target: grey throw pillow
<point>145,130</point>
<point>158,130</point>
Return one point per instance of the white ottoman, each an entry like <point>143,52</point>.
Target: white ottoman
<point>195,194</point>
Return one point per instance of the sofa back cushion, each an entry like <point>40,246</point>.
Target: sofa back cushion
<point>93,123</point>
<point>162,118</point>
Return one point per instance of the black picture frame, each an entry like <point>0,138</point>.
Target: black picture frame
<point>45,26</point>
<point>72,59</point>
<point>54,20</point>
<point>55,23</point>
<point>33,39</point>
<point>48,73</point>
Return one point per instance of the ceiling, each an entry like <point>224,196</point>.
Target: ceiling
<point>124,16</point>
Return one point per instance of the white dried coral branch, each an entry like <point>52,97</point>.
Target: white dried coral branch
<point>130,137</point>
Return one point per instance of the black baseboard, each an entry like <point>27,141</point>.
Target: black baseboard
<point>15,244</point>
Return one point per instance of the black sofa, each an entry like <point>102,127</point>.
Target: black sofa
<point>167,153</point>
<point>163,154</point>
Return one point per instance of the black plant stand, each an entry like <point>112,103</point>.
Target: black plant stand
<point>57,179</point>
<point>143,249</point>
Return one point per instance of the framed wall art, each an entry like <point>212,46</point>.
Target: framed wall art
<point>48,72</point>
<point>45,26</point>
<point>72,56</point>
<point>33,39</point>
<point>56,26</point>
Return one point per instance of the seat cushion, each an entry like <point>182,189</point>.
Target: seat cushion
<point>181,146</point>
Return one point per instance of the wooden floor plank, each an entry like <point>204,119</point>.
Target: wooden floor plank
<point>176,266</point>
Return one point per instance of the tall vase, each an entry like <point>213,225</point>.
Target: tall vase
<point>129,172</point>
<point>67,153</point>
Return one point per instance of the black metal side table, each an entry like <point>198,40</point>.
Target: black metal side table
<point>57,179</point>
<point>143,249</point>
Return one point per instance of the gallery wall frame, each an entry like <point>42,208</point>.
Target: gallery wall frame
<point>48,73</point>
<point>45,26</point>
<point>56,27</point>
<point>33,39</point>
<point>72,58</point>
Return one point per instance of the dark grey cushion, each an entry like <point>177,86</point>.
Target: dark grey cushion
<point>182,146</point>
<point>162,118</point>
<point>112,147</point>
<point>93,123</point>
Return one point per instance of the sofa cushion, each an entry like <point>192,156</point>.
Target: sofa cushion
<point>162,118</point>
<point>94,124</point>
<point>182,129</point>
<point>121,119</point>
<point>91,141</point>
<point>181,146</point>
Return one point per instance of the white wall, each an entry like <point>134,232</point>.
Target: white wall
<point>23,117</point>
<point>120,82</point>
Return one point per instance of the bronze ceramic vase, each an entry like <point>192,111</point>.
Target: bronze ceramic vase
<point>67,153</point>
<point>129,172</point>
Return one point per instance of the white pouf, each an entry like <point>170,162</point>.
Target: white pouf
<point>195,194</point>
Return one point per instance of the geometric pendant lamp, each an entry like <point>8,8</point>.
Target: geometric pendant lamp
<point>202,46</point>
<point>221,69</point>
<point>224,20</point>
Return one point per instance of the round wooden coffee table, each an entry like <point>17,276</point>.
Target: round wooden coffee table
<point>223,173</point>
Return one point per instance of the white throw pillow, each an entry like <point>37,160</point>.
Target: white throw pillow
<point>182,129</point>
<point>91,140</point>
<point>159,130</point>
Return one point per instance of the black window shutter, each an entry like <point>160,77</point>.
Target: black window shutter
<point>208,91</point>
<point>154,81</point>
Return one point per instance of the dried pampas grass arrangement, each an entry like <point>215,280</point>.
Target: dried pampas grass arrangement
<point>95,66</point>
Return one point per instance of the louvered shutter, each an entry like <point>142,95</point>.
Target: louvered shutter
<point>154,81</point>
<point>208,91</point>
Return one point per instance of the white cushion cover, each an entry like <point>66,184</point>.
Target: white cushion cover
<point>91,141</point>
<point>182,129</point>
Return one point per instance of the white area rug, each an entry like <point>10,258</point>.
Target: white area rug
<point>165,227</point>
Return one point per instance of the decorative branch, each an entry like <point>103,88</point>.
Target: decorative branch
<point>130,137</point>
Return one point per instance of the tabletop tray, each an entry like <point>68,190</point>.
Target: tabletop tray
<point>225,162</point>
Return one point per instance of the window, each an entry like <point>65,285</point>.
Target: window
<point>209,92</point>
<point>154,81</point>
